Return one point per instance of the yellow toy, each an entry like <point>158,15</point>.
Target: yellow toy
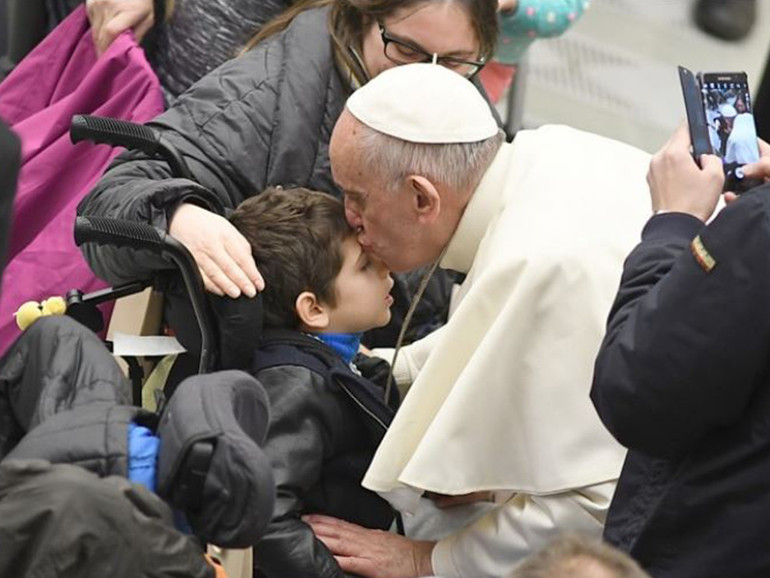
<point>31,310</point>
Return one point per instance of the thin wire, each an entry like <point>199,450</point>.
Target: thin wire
<point>407,319</point>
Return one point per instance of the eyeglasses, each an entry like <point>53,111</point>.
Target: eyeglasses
<point>401,52</point>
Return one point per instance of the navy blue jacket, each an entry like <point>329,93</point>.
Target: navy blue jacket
<point>682,379</point>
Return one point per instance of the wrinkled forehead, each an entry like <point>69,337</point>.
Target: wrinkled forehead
<point>343,146</point>
<point>346,129</point>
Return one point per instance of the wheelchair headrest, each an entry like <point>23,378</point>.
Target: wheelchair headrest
<point>239,327</point>
<point>210,464</point>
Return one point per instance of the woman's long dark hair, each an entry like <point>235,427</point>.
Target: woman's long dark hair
<point>348,20</point>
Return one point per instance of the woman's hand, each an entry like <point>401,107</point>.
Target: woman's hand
<point>372,553</point>
<point>223,255</point>
<point>110,18</point>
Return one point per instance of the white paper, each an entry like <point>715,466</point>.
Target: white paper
<point>144,345</point>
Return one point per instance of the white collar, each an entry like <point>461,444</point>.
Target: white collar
<point>487,200</point>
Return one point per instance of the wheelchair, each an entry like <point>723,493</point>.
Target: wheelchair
<point>227,328</point>
<point>211,418</point>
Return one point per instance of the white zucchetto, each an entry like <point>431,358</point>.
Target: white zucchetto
<point>423,103</point>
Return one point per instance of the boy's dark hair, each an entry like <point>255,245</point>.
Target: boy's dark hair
<point>296,238</point>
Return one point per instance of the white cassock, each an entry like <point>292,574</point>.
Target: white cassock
<point>742,142</point>
<point>500,394</point>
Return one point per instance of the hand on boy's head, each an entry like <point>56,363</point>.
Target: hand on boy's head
<point>676,182</point>
<point>223,255</point>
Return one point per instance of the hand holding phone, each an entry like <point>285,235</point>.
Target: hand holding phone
<point>721,122</point>
<point>678,185</point>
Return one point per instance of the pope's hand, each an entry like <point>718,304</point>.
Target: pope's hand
<point>110,18</point>
<point>223,255</point>
<point>372,553</point>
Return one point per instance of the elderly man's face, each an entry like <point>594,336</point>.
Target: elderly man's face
<point>388,226</point>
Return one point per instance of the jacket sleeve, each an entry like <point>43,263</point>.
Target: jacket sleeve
<point>531,20</point>
<point>496,543</point>
<point>687,336</point>
<point>302,429</point>
<point>222,127</point>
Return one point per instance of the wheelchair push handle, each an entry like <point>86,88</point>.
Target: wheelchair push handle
<point>114,132</point>
<point>102,130</point>
<point>117,233</point>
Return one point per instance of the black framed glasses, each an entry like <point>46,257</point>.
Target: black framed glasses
<point>402,52</point>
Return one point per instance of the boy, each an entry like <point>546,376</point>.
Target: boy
<point>321,292</point>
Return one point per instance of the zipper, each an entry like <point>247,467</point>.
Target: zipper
<point>361,405</point>
<point>396,513</point>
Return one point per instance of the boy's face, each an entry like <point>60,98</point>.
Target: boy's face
<point>363,292</point>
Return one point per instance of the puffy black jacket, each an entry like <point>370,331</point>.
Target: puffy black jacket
<point>683,380</point>
<point>63,399</point>
<point>326,423</point>
<point>57,366</point>
<point>60,520</point>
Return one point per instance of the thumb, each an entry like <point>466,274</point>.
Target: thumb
<point>711,164</point>
<point>760,169</point>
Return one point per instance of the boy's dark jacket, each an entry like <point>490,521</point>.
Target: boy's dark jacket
<point>326,422</point>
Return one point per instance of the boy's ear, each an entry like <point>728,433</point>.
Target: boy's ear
<point>311,312</point>
<point>425,198</point>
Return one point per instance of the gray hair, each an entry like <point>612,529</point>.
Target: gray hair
<point>458,166</point>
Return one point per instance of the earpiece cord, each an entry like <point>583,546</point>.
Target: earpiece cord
<point>407,319</point>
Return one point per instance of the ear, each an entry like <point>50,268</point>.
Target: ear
<point>312,314</point>
<point>425,199</point>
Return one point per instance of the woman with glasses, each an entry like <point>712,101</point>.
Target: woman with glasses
<point>265,119</point>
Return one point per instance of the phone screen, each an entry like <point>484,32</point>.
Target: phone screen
<point>730,120</point>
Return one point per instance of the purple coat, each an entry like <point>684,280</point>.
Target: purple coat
<point>60,78</point>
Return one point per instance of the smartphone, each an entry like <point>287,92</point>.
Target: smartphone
<point>730,123</point>
<point>696,114</point>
